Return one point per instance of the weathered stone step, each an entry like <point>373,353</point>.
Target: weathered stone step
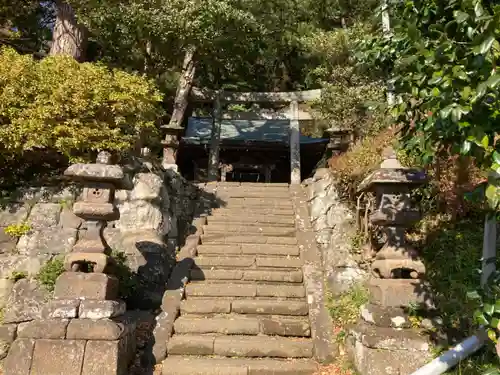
<point>284,202</point>
<point>243,325</point>
<point>225,289</point>
<point>239,218</point>
<point>222,222</point>
<point>246,275</point>
<point>177,365</point>
<point>249,229</point>
<point>240,346</point>
<point>253,211</point>
<point>244,306</point>
<point>247,249</point>
<point>222,238</point>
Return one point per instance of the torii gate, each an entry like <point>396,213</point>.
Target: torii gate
<point>220,97</point>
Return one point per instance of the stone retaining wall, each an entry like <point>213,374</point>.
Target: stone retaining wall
<point>333,223</point>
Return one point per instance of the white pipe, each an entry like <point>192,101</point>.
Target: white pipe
<point>453,356</point>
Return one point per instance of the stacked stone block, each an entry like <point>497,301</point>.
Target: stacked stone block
<point>383,342</point>
<point>84,329</point>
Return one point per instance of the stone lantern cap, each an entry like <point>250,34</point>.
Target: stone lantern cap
<point>391,172</point>
<point>95,172</point>
<point>389,176</point>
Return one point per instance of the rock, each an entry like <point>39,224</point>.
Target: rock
<point>147,186</point>
<point>6,286</point>
<point>105,358</point>
<point>25,302</point>
<point>48,241</point>
<point>14,213</point>
<point>138,215</point>
<point>69,220</point>
<point>7,337</point>
<point>343,278</point>
<point>43,329</point>
<point>7,242</point>
<point>22,263</point>
<point>44,215</point>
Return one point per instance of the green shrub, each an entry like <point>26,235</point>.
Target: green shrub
<point>49,273</point>
<point>72,108</point>
<point>344,309</point>
<point>128,279</point>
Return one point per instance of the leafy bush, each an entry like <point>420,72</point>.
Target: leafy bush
<point>344,309</point>
<point>49,273</point>
<point>59,104</point>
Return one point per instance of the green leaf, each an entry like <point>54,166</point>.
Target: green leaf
<point>480,91</point>
<point>488,309</point>
<point>445,112</point>
<point>466,149</point>
<point>435,80</point>
<point>435,91</point>
<point>460,16</point>
<point>497,307</point>
<point>484,46</point>
<point>492,335</point>
<point>493,81</point>
<point>495,323</point>
<point>473,295</point>
<point>496,157</point>
<point>485,142</point>
<point>480,318</point>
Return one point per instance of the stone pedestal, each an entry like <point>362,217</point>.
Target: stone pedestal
<point>84,330</point>
<point>385,341</point>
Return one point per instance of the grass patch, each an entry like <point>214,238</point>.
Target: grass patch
<point>50,271</point>
<point>344,309</point>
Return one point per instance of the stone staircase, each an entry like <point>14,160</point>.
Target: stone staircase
<point>245,309</point>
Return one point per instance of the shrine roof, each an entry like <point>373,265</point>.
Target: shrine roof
<point>199,131</point>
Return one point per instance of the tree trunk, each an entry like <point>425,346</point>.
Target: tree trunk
<point>69,37</point>
<point>183,88</point>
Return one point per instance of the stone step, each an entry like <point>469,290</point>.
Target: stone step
<point>244,306</point>
<point>233,324</point>
<point>248,249</point>
<point>178,365</point>
<point>240,346</point>
<point>224,289</point>
<point>250,229</point>
<point>224,223</point>
<point>246,275</point>
<point>222,238</point>
<point>238,218</point>
<point>253,211</point>
<point>284,202</point>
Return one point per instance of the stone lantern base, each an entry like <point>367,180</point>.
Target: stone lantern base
<point>384,341</point>
<point>81,332</point>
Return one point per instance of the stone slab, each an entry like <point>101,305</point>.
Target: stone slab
<point>209,261</point>
<point>44,215</point>
<point>191,345</point>
<point>276,276</point>
<point>61,309</point>
<point>211,274</point>
<point>270,307</point>
<point>7,336</point>
<point>20,357</point>
<point>14,213</point>
<point>43,329</point>
<point>88,329</point>
<point>286,250</point>
<point>224,325</point>
<point>221,290</point>
<point>105,358</point>
<point>25,303</point>
<point>255,346</point>
<point>248,229</point>
<point>399,292</point>
<point>205,306</point>
<point>282,291</point>
<point>162,333</point>
<point>176,365</point>
<point>58,357</point>
<point>381,316</point>
<point>95,309</point>
<point>281,326</point>
<point>282,262</point>
<point>79,285</point>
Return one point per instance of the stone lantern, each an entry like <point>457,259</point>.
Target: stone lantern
<point>339,139</point>
<point>96,208</point>
<point>170,146</point>
<point>384,341</point>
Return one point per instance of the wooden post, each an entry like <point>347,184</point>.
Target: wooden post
<point>294,143</point>
<point>213,158</point>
